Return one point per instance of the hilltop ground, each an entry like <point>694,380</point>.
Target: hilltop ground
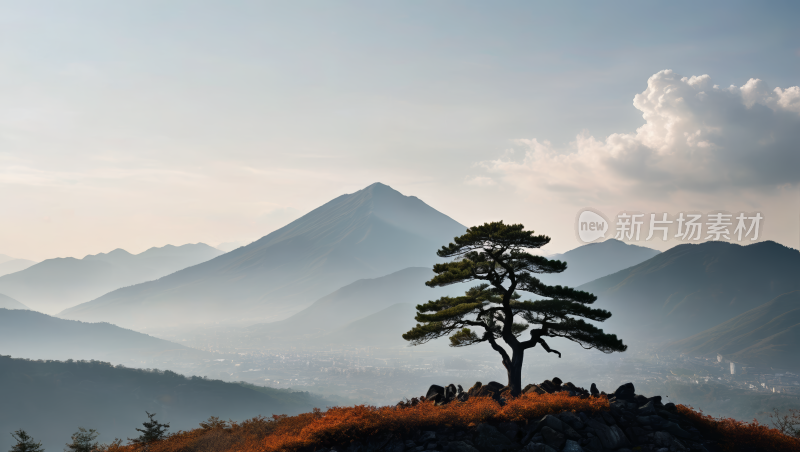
<point>549,417</point>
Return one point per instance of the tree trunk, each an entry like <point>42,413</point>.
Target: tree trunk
<point>514,370</point>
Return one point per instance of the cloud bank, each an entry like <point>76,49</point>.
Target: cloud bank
<point>697,138</point>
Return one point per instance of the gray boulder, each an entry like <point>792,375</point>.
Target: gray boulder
<point>450,391</point>
<point>625,392</point>
<point>647,409</point>
<point>608,418</point>
<point>665,440</point>
<point>538,447</point>
<point>572,446</point>
<point>459,446</point>
<point>570,433</point>
<point>510,429</point>
<point>553,438</point>
<point>571,419</point>
<point>552,422</point>
<point>426,437</point>
<point>489,439</point>
<point>675,430</point>
<point>609,436</point>
<point>494,386</point>
<point>434,392</point>
<point>623,440</point>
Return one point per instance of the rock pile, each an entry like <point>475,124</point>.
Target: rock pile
<point>443,395</point>
<point>633,423</point>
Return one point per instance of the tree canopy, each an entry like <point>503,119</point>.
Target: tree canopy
<point>25,443</point>
<point>496,255</point>
<point>152,431</point>
<point>83,441</point>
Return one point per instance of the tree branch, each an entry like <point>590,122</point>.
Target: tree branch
<point>488,336</point>
<point>547,348</point>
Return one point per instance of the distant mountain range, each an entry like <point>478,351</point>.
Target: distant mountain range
<point>9,264</point>
<point>767,336</point>
<point>56,284</point>
<point>367,234</point>
<point>691,288</point>
<point>380,310</point>
<point>595,260</point>
<point>50,400</point>
<point>384,328</point>
<point>10,303</point>
<point>34,335</point>
<point>355,301</point>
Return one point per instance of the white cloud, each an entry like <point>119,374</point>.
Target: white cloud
<point>480,181</point>
<point>697,137</point>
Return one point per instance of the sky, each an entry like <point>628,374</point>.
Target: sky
<point>139,124</point>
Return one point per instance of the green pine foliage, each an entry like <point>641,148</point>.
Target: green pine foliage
<point>496,255</point>
<point>25,443</point>
<point>152,431</point>
<point>83,441</point>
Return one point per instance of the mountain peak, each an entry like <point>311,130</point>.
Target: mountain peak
<point>691,287</point>
<point>117,253</point>
<point>379,186</point>
<point>379,192</point>
<point>370,233</point>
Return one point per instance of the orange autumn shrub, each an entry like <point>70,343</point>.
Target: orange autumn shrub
<point>341,425</point>
<point>733,435</point>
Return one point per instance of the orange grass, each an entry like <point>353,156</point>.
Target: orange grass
<point>733,435</point>
<point>341,425</point>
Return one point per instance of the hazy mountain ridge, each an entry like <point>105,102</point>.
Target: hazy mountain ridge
<point>384,328</point>
<point>52,399</point>
<point>7,302</point>
<point>35,335</point>
<point>351,312</point>
<point>14,265</point>
<point>690,288</point>
<point>5,258</point>
<point>767,336</point>
<point>367,234</point>
<point>55,284</point>
<point>355,301</point>
<point>595,260</point>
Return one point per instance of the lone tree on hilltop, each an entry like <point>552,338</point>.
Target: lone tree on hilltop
<point>25,443</point>
<point>496,253</point>
<point>152,431</point>
<point>82,441</point>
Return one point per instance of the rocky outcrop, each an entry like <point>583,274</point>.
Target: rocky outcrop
<point>633,423</point>
<point>443,395</point>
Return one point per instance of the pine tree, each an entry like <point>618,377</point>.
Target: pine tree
<point>25,443</point>
<point>152,431</point>
<point>82,441</point>
<point>496,253</point>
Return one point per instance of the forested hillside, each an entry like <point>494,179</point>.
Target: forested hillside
<point>51,399</point>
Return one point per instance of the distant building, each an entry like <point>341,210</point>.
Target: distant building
<point>719,358</point>
<point>733,368</point>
